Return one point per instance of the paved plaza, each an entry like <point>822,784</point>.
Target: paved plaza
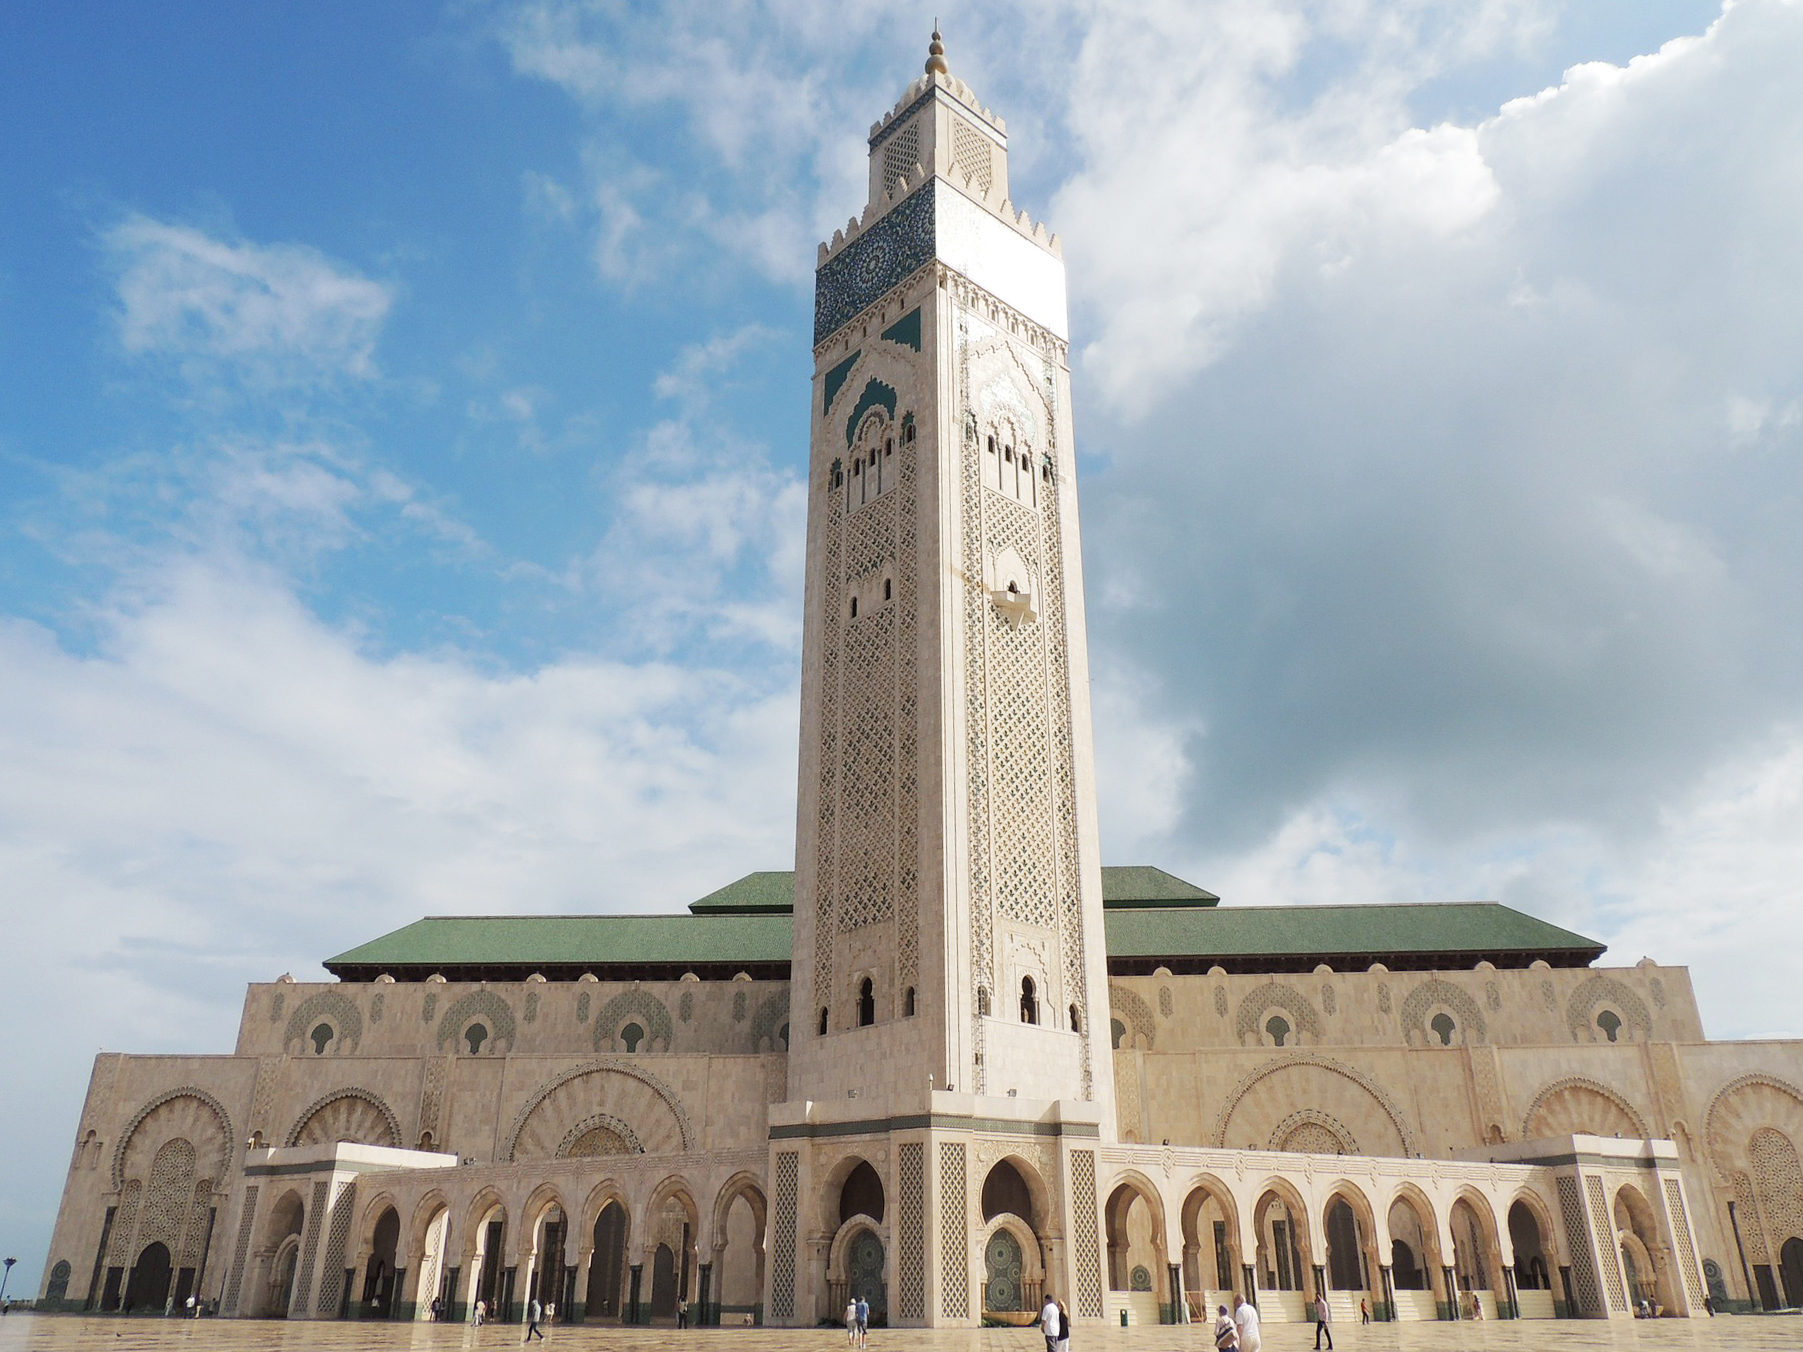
<point>66,1333</point>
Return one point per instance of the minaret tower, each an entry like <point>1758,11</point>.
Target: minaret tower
<point>949,975</point>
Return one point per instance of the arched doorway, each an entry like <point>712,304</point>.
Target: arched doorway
<point>429,1283</point>
<point>378,1272</point>
<point>1414,1254</point>
<point>663,1282</point>
<point>1135,1233</point>
<point>546,1282</point>
<point>488,1281</point>
<point>281,1285</point>
<point>739,1220</point>
<point>1790,1271</point>
<point>1647,1268</point>
<point>1211,1256</point>
<point>1474,1256</point>
<point>864,1273</point>
<point>862,1193</point>
<point>1347,1227</point>
<point>1533,1264</point>
<point>607,1264</point>
<point>148,1287</point>
<point>1002,1264</point>
<point>1285,1253</point>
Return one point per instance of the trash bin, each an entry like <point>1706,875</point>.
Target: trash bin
<point>1123,1316</point>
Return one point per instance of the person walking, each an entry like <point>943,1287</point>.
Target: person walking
<point>1049,1324</point>
<point>1227,1336</point>
<point>851,1322</point>
<point>863,1322</point>
<point>1321,1313</point>
<point>437,1309</point>
<point>682,1312</point>
<point>477,1313</point>
<point>1364,1311</point>
<point>1245,1319</point>
<point>533,1313</point>
<point>1064,1328</point>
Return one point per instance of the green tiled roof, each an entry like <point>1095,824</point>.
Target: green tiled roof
<point>1125,885</point>
<point>1297,938</point>
<point>1154,920</point>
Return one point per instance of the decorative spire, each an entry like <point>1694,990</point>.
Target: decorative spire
<point>936,54</point>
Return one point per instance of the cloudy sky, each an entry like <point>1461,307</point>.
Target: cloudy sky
<point>402,409</point>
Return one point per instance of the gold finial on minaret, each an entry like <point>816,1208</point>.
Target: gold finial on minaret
<point>936,53</point>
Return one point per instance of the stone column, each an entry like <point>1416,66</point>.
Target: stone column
<point>1514,1307</point>
<point>632,1303</point>
<point>1452,1292</point>
<point>1386,1277</point>
<point>1179,1305</point>
<point>1249,1274</point>
<point>703,1283</point>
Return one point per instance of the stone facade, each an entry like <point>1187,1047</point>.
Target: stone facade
<point>951,1107</point>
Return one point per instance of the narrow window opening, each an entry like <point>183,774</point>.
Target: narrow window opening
<point>1076,1020</point>
<point>982,999</point>
<point>1029,1001</point>
<point>322,1038</point>
<point>475,1035</point>
<point>1443,1026</point>
<point>823,1021</point>
<point>632,1034</point>
<point>854,607</point>
<point>908,1004</point>
<point>908,433</point>
<point>857,466</point>
<point>866,1003</point>
<point>1117,1031</point>
<point>888,592</point>
<point>1610,1022</point>
<point>889,446</point>
<point>1008,454</point>
<point>1279,1029</point>
<point>992,445</point>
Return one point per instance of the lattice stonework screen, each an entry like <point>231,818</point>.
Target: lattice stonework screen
<point>331,1281</point>
<point>900,154</point>
<point>782,1236</point>
<point>241,1250</point>
<point>1687,1254</point>
<point>1605,1241</point>
<point>1577,1240</point>
<point>316,1221</point>
<point>910,1232</point>
<point>954,1233</point>
<point>970,152</point>
<point>1086,1246</point>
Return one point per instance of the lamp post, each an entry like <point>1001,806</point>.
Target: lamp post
<point>4,1279</point>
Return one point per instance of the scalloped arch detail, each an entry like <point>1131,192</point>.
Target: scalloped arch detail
<point>1132,1011</point>
<point>324,1101</point>
<point>1712,1126</point>
<point>485,1004</point>
<point>628,1004</point>
<point>1597,989</point>
<point>1274,994</point>
<point>1549,1091</point>
<point>1439,991</point>
<point>618,1064</point>
<point>328,1006</point>
<point>169,1096</point>
<point>1247,1082</point>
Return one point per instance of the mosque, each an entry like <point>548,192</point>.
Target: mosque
<point>950,1062</point>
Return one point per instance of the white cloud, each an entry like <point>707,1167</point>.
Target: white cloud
<point>274,313</point>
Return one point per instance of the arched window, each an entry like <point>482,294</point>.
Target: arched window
<point>1117,1031</point>
<point>1279,1028</point>
<point>322,1038</point>
<point>1076,1020</point>
<point>866,1003</point>
<point>854,607</point>
<point>1610,1022</point>
<point>475,1035</point>
<point>823,1021</point>
<point>908,1004</point>
<point>1443,1027</point>
<point>982,999</point>
<point>888,593</point>
<point>908,430</point>
<point>632,1034</point>
<point>1029,1001</point>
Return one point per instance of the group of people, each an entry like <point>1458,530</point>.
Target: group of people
<point>857,1322</point>
<point>1055,1323</point>
<point>1238,1331</point>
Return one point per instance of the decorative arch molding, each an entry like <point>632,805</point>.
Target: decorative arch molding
<point>751,1188</point>
<point>603,1122</point>
<point>1439,991</point>
<point>1598,989</point>
<point>1394,1110</point>
<point>768,1023</point>
<point>331,1007</point>
<point>1134,1012</point>
<point>478,1004</point>
<point>169,1096</point>
<point>1307,1127</point>
<point>617,1064</point>
<point>1275,995</point>
<point>841,1242</point>
<point>325,1101</point>
<point>1713,1116</point>
<point>633,1004</point>
<point>1580,1082</point>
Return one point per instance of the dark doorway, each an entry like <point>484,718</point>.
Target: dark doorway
<point>378,1274</point>
<point>1006,1191</point>
<point>149,1285</point>
<point>1790,1269</point>
<point>608,1267</point>
<point>862,1194</point>
<point>864,1264</point>
<point>663,1283</point>
<point>1344,1270</point>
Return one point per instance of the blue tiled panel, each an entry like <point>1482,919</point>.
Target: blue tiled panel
<point>874,262</point>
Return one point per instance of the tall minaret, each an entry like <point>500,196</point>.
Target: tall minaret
<point>948,906</point>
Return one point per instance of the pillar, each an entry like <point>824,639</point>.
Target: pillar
<point>1387,1279</point>
<point>1249,1275</point>
<point>632,1302</point>
<point>1451,1287</point>
<point>703,1291</point>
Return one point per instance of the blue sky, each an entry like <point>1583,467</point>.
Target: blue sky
<point>402,408</point>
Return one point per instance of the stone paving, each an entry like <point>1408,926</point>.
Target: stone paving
<point>65,1333</point>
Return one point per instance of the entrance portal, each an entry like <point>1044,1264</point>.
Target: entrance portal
<point>864,1272</point>
<point>1002,1258</point>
